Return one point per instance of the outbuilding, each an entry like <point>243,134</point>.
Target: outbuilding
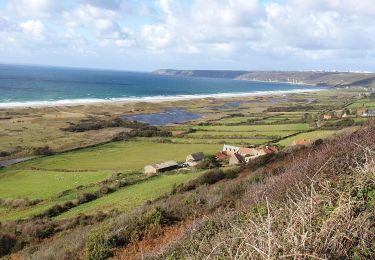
<point>229,149</point>
<point>194,159</point>
<point>160,167</point>
<point>236,159</point>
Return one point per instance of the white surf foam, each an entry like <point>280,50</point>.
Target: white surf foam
<point>83,101</point>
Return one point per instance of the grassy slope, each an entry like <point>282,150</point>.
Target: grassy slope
<point>43,184</point>
<point>318,134</point>
<point>133,196</point>
<point>21,181</point>
<point>282,127</point>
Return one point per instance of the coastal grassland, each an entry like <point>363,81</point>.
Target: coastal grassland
<point>45,186</point>
<point>243,128</point>
<point>242,133</point>
<point>118,156</point>
<point>45,178</point>
<point>213,140</point>
<point>314,135</point>
<point>133,196</point>
<point>367,103</point>
<point>235,120</point>
<point>34,184</point>
<point>29,128</point>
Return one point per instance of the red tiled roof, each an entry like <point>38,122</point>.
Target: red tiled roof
<point>246,150</point>
<point>301,142</point>
<point>222,155</point>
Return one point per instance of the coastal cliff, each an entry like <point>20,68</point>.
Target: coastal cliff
<point>318,78</point>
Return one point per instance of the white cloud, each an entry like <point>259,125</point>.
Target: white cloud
<point>34,28</point>
<point>36,8</point>
<point>211,30</point>
<point>156,36</point>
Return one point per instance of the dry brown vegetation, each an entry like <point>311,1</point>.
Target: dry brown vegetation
<point>311,203</point>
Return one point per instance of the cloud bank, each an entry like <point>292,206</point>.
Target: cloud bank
<point>216,34</point>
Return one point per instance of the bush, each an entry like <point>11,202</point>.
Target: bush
<point>86,197</point>
<point>209,162</point>
<point>38,229</point>
<point>98,245</point>
<point>45,150</point>
<point>7,242</point>
<point>4,153</point>
<point>211,177</point>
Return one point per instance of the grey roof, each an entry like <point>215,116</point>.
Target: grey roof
<point>197,156</point>
<point>371,112</point>
<point>164,165</point>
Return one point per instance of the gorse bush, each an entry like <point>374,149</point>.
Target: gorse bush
<point>98,245</point>
<point>7,242</point>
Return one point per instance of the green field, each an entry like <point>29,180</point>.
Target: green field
<point>130,197</point>
<point>243,128</point>
<point>45,177</point>
<point>119,156</point>
<point>43,184</point>
<point>363,103</point>
<point>319,134</point>
<point>248,134</point>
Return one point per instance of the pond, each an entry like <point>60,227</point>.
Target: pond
<point>228,105</point>
<point>168,116</point>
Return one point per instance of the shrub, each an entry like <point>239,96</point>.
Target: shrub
<point>209,162</point>
<point>7,242</point>
<point>4,153</point>
<point>38,229</point>
<point>98,245</point>
<point>211,177</point>
<point>86,197</point>
<point>45,150</point>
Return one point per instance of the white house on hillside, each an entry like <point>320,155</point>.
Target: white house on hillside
<point>230,149</point>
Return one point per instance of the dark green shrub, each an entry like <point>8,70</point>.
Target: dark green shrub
<point>211,177</point>
<point>7,242</point>
<point>45,150</point>
<point>98,245</point>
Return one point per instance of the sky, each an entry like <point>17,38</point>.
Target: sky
<point>190,34</point>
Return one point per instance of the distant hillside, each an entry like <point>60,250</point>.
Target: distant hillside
<point>227,74</point>
<point>318,78</point>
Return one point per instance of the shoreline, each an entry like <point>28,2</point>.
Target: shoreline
<point>150,99</point>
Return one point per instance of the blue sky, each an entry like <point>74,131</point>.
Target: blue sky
<point>196,34</point>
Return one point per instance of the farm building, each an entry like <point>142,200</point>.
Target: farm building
<point>361,111</point>
<point>301,142</point>
<point>245,151</point>
<point>220,156</point>
<point>369,113</point>
<point>327,116</point>
<point>236,159</point>
<point>194,159</point>
<point>230,149</point>
<point>161,167</point>
<point>256,152</point>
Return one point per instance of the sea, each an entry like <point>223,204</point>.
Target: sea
<point>23,86</point>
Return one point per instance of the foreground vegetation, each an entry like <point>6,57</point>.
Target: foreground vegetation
<point>76,196</point>
<point>315,202</point>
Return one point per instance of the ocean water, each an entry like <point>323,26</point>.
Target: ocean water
<point>32,85</point>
